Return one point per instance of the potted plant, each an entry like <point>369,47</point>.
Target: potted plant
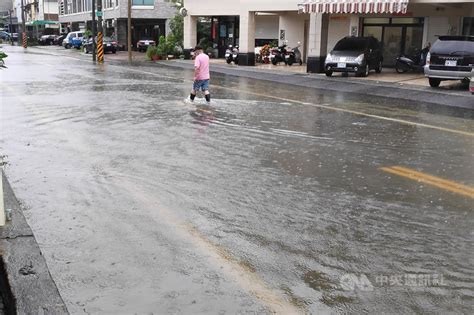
<point>152,53</point>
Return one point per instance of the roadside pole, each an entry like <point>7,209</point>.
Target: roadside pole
<point>94,32</point>
<point>129,30</point>
<point>10,27</point>
<point>24,39</point>
<point>100,34</point>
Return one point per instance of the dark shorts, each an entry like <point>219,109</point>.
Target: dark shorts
<point>201,85</point>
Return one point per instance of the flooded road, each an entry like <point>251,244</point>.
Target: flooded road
<point>273,199</point>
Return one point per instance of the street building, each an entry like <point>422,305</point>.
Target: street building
<point>41,17</point>
<point>402,26</point>
<point>150,18</point>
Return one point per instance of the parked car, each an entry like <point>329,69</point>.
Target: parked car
<point>109,45</point>
<point>450,58</point>
<point>73,39</point>
<point>47,39</point>
<point>59,39</point>
<point>5,35</point>
<point>142,44</point>
<point>355,54</point>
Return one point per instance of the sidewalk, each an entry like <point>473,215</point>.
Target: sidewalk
<point>25,282</point>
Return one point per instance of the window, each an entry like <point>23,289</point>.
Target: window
<point>143,2</point>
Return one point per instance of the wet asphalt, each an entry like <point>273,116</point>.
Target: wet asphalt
<point>271,199</point>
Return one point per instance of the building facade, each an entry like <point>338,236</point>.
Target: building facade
<point>402,26</point>
<point>150,18</point>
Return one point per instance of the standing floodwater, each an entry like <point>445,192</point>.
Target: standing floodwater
<point>271,198</point>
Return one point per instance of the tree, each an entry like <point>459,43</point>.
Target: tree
<point>177,26</point>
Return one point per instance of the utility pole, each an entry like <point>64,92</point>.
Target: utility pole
<point>94,32</point>
<point>23,27</point>
<point>129,30</point>
<point>10,27</point>
<point>100,34</point>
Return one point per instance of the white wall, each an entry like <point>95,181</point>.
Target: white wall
<point>293,24</point>
<point>339,27</point>
<point>266,26</point>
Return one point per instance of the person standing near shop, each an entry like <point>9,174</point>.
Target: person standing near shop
<point>201,74</point>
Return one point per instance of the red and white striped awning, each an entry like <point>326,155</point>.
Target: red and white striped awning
<point>353,6</point>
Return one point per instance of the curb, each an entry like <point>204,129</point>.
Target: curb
<point>27,286</point>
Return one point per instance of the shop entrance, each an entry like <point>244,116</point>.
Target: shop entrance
<point>225,32</point>
<point>397,35</point>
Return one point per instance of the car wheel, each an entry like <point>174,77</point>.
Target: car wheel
<point>434,82</point>
<point>379,67</point>
<point>329,73</point>
<point>366,71</point>
<point>401,67</point>
<point>465,83</point>
<point>67,46</point>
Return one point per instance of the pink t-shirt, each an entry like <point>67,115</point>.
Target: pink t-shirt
<point>201,64</point>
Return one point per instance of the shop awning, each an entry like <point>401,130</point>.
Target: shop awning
<point>41,22</point>
<point>353,6</point>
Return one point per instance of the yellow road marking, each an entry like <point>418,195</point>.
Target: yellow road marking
<point>431,180</point>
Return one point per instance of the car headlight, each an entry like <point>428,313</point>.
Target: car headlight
<point>428,58</point>
<point>331,58</point>
<point>360,59</point>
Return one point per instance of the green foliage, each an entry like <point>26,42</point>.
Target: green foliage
<point>166,45</point>
<point>151,51</point>
<point>3,55</point>
<point>87,33</point>
<point>177,27</point>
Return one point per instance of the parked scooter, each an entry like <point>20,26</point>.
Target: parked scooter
<point>232,54</point>
<point>294,56</point>
<point>278,55</point>
<point>414,63</point>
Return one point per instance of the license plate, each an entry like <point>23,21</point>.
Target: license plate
<point>234,56</point>
<point>451,63</point>
<point>108,45</point>
<point>341,64</point>
<point>227,55</point>
<point>286,57</point>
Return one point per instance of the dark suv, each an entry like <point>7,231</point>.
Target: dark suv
<point>450,58</point>
<point>355,54</point>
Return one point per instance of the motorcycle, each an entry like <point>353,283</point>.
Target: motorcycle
<point>411,63</point>
<point>2,62</point>
<point>232,54</point>
<point>278,55</point>
<point>294,56</point>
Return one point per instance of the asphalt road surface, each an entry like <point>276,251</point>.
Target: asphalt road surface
<point>273,199</point>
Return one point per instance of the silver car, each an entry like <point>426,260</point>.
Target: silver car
<point>450,58</point>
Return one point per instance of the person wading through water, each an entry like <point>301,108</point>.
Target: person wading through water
<point>201,74</point>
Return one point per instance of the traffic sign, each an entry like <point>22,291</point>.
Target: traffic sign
<point>99,13</point>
